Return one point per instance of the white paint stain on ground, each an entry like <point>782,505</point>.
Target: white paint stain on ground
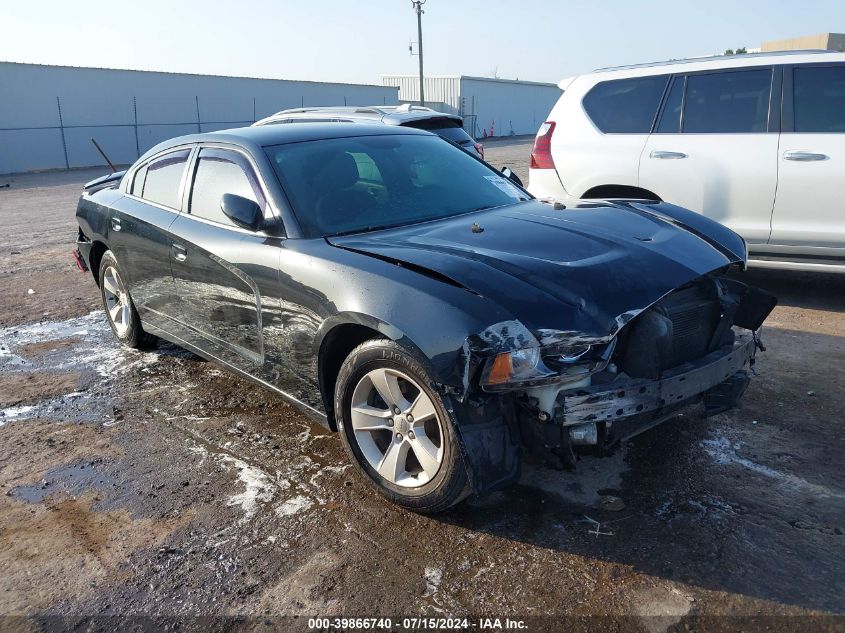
<point>13,413</point>
<point>259,487</point>
<point>724,452</point>
<point>433,578</point>
<point>30,411</point>
<point>95,351</point>
<point>293,506</point>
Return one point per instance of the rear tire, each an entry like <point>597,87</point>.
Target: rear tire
<point>396,429</point>
<point>120,310</point>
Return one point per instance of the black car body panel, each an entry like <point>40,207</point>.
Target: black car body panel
<point>587,270</point>
<point>271,304</point>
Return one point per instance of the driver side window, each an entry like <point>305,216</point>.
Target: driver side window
<point>218,172</point>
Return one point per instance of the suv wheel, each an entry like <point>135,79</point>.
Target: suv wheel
<point>396,429</point>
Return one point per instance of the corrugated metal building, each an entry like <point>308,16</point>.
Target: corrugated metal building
<point>497,107</point>
<point>48,114</point>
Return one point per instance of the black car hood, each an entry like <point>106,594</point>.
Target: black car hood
<point>586,269</point>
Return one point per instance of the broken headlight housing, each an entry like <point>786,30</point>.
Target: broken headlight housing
<point>540,365</point>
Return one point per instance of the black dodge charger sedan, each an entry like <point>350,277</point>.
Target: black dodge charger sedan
<point>412,298</point>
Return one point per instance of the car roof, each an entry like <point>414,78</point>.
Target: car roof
<point>395,115</point>
<point>694,64</point>
<point>267,135</point>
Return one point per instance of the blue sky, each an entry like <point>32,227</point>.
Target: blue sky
<point>358,41</point>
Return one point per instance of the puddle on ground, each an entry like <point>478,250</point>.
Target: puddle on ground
<point>73,479</point>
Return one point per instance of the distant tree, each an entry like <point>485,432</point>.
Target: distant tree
<point>729,51</point>
<point>739,51</point>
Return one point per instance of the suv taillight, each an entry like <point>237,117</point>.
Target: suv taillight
<point>541,153</point>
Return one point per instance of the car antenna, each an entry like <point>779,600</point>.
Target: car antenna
<point>103,154</point>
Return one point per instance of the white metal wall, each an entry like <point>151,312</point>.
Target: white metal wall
<point>441,90</point>
<point>503,106</point>
<point>48,114</point>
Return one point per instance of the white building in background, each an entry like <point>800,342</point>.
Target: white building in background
<point>492,107</point>
<point>48,114</point>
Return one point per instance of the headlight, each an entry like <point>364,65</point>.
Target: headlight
<point>516,366</point>
<point>538,365</point>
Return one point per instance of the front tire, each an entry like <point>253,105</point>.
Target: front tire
<point>397,431</point>
<point>120,311</point>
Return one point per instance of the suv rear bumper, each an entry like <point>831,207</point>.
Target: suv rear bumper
<point>545,183</point>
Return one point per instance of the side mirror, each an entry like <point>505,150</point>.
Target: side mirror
<point>242,211</point>
<point>508,173</point>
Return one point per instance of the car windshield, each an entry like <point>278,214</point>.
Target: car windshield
<point>364,183</point>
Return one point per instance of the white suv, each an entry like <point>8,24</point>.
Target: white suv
<point>756,142</point>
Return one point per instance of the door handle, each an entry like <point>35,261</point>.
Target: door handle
<point>659,153</point>
<point>115,224</point>
<point>180,254</point>
<point>803,156</point>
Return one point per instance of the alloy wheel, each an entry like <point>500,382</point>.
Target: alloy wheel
<point>117,301</point>
<point>397,427</point>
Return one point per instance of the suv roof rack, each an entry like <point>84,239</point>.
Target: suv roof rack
<point>709,58</point>
<point>349,109</point>
<point>407,107</point>
<point>378,110</point>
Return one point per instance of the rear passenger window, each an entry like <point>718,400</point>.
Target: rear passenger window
<point>218,172</point>
<point>670,120</point>
<point>819,98</point>
<point>625,106</point>
<point>164,175</point>
<point>728,103</point>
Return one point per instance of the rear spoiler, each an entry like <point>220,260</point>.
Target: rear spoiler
<point>563,84</point>
<point>109,181</point>
<point>104,182</point>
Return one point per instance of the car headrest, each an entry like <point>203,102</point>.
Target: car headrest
<point>339,172</point>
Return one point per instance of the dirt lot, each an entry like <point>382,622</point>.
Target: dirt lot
<point>154,484</point>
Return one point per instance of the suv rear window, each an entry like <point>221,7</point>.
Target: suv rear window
<point>447,128</point>
<point>625,106</point>
<point>819,98</point>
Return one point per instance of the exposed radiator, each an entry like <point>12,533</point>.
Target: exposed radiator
<point>694,317</point>
<point>678,329</point>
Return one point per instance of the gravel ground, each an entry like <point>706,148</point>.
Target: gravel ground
<point>155,484</point>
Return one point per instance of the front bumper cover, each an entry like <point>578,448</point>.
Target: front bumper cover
<point>611,402</point>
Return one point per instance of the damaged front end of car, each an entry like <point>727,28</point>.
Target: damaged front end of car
<point>571,392</point>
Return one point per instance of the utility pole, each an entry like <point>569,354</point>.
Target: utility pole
<point>417,4</point>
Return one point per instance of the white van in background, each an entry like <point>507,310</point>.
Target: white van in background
<point>756,142</point>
